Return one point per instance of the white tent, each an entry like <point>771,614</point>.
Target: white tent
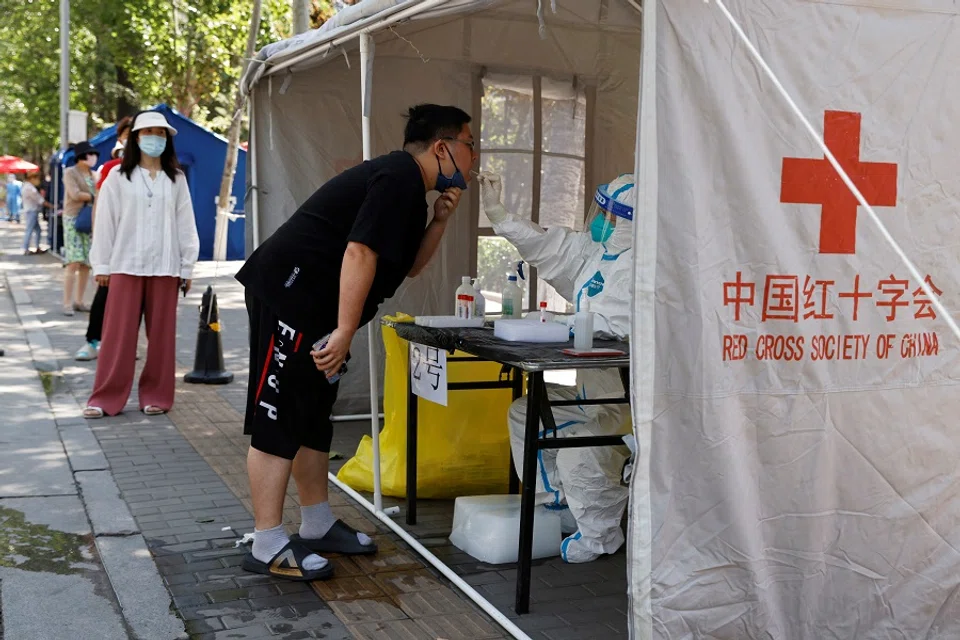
<point>789,484</point>
<point>306,103</point>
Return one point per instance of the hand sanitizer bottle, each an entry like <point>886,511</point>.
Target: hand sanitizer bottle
<point>466,299</point>
<point>583,327</point>
<point>512,298</point>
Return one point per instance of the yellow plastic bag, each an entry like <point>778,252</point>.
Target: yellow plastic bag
<point>464,448</point>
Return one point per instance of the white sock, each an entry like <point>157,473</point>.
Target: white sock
<point>268,543</point>
<point>317,519</point>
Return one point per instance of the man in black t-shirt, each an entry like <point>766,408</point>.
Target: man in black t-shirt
<point>323,274</point>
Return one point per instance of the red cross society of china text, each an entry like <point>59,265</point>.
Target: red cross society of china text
<point>795,299</point>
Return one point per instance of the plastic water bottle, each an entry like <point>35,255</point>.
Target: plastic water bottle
<point>583,327</point>
<point>512,298</point>
<point>481,302</point>
<point>466,299</point>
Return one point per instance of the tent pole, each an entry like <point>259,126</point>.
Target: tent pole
<point>468,590</point>
<point>224,206</point>
<point>255,192</point>
<point>376,23</point>
<point>643,339</point>
<point>366,91</point>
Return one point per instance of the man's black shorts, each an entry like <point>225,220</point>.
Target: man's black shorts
<point>288,400</point>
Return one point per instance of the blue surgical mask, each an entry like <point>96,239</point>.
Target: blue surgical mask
<point>153,146</point>
<point>456,180</point>
<point>600,229</point>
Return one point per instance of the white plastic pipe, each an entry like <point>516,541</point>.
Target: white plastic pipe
<point>366,96</point>
<point>843,174</point>
<point>255,194</point>
<point>458,582</point>
<point>353,417</point>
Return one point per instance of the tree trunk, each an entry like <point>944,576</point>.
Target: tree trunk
<point>301,16</point>
<point>124,106</point>
<point>233,140</point>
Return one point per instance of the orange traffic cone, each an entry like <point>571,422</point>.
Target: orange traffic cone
<point>208,365</point>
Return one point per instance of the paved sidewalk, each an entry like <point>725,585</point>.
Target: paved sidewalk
<point>183,476</point>
<point>73,563</point>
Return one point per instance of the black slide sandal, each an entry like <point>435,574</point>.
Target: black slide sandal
<point>342,539</point>
<point>288,564</point>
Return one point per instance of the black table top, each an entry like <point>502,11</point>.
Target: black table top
<point>527,356</point>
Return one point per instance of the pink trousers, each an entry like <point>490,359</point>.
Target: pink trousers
<point>156,297</point>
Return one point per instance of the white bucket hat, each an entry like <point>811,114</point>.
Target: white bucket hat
<point>149,119</point>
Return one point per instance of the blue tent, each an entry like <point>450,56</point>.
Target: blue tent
<point>201,153</point>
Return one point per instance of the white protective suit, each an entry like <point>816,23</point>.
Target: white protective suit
<point>587,480</point>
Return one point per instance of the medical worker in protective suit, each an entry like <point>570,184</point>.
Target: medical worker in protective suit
<point>594,265</point>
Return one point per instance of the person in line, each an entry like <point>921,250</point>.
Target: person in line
<point>323,274</point>
<point>145,247</point>
<point>33,202</point>
<point>14,192</point>
<point>79,186</point>
<point>584,483</point>
<point>91,347</point>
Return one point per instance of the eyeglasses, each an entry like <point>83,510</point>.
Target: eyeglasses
<point>469,143</point>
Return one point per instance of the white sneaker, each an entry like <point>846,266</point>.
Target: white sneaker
<point>87,352</point>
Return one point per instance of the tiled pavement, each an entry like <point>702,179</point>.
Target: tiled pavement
<point>184,478</point>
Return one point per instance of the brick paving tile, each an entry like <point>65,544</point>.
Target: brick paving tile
<point>374,610</point>
<point>406,581</point>
<point>347,588</point>
<point>266,616</point>
<point>388,561</point>
<point>597,630</point>
<point>390,630</point>
<point>344,567</point>
<point>459,626</point>
<point>184,475</point>
<point>253,632</point>
<point>422,604</point>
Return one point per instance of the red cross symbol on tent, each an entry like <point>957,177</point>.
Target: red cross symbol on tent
<point>815,181</point>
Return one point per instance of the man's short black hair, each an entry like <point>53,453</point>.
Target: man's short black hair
<point>429,122</point>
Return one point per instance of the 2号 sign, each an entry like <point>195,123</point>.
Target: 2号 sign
<point>428,373</point>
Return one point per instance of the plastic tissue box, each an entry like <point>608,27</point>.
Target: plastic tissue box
<point>488,528</point>
<point>530,331</point>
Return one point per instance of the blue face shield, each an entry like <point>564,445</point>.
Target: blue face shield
<point>456,180</point>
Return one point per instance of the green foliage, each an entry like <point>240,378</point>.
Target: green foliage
<point>125,55</point>
<point>496,258</point>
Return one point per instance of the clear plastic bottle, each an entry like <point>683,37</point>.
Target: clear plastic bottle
<point>583,327</point>
<point>512,299</point>
<point>481,302</point>
<point>466,299</point>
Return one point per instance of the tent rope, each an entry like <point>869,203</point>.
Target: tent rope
<point>412,46</point>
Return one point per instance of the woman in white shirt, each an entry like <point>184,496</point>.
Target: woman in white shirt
<point>145,245</point>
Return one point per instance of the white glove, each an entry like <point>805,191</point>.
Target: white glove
<point>491,187</point>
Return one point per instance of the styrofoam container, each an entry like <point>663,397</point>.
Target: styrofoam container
<point>449,321</point>
<point>488,528</point>
<point>530,331</point>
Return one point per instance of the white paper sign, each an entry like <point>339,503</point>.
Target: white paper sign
<point>428,373</point>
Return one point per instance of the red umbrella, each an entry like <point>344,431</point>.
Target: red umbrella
<point>13,164</point>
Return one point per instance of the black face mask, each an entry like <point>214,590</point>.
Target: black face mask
<point>456,180</point>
